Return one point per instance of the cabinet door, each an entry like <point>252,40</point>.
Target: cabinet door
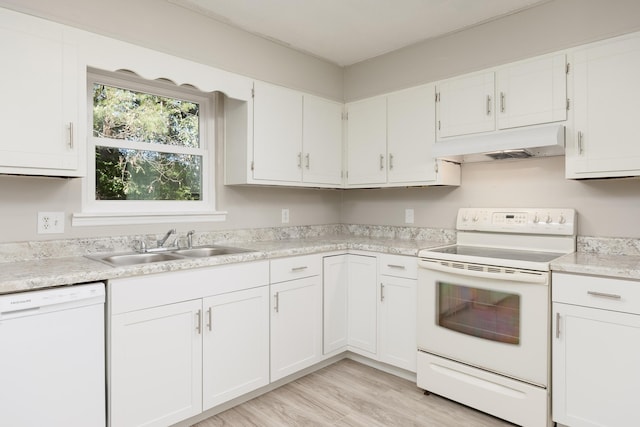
<point>532,92</point>
<point>335,294</point>
<point>277,133</point>
<point>235,345</point>
<point>156,365</point>
<point>606,110</point>
<point>296,325</point>
<point>411,127</point>
<point>596,376</point>
<point>363,303</point>
<point>322,141</point>
<point>466,105</point>
<point>39,87</point>
<point>367,141</point>
<point>398,322</point>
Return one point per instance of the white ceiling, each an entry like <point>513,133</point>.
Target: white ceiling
<point>349,31</point>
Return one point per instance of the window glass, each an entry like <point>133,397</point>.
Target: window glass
<point>151,146</point>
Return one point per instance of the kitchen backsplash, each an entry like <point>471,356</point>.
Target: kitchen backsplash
<point>24,251</point>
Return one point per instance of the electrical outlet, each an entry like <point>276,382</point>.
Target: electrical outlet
<point>50,222</point>
<point>408,216</point>
<point>285,216</point>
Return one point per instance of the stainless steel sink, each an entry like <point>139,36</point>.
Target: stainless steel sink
<point>207,251</point>
<point>137,258</point>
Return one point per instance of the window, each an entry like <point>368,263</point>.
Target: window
<point>151,151</point>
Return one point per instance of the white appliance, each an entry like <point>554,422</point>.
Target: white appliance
<point>483,311</point>
<point>52,357</point>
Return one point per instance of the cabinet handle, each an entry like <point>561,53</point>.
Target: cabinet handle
<point>390,161</point>
<point>402,267</point>
<point>603,295</point>
<point>381,292</point>
<point>502,103</point>
<point>301,268</point>
<point>488,105</point>
<point>209,319</point>
<point>276,297</point>
<point>307,159</point>
<point>299,160</point>
<point>580,147</point>
<point>71,135</point>
<point>557,325</point>
<point>381,162</point>
<point>199,321</point>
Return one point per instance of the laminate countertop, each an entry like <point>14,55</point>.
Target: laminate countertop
<point>19,276</point>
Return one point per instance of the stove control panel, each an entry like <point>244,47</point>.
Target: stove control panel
<point>518,220</point>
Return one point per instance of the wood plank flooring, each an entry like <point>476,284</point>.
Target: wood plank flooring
<point>349,393</point>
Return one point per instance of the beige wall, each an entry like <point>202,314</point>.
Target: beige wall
<point>551,26</point>
<point>606,207</point>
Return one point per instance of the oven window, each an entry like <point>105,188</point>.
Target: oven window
<point>482,313</point>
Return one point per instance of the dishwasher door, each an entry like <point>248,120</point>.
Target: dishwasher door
<point>52,363</point>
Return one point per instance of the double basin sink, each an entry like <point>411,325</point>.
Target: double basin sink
<point>135,258</point>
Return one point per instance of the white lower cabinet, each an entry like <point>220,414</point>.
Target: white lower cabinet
<point>362,305</point>
<point>397,310</point>
<point>156,365</point>
<point>296,315</point>
<point>370,307</point>
<point>183,342</point>
<point>235,345</point>
<point>596,331</point>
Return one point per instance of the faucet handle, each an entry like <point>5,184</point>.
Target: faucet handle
<point>141,245</point>
<point>190,238</point>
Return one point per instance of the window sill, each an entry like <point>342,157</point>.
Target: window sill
<point>85,219</point>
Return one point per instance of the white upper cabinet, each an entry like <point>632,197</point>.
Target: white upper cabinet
<point>294,139</point>
<point>367,141</point>
<point>532,92</point>
<point>277,133</point>
<point>604,139</point>
<point>466,105</point>
<point>390,141</point>
<point>321,141</point>
<point>411,133</point>
<point>39,82</point>
<point>525,93</point>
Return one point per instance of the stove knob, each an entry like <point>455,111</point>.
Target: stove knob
<point>475,218</point>
<point>562,219</point>
<point>548,220</point>
<point>536,219</point>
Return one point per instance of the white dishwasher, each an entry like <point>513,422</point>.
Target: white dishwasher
<point>52,370</point>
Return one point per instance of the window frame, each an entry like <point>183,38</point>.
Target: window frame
<point>99,212</point>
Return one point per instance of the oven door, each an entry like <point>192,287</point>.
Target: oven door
<point>489,317</point>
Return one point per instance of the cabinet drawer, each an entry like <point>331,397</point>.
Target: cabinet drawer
<point>398,266</point>
<point>295,268</point>
<point>598,292</point>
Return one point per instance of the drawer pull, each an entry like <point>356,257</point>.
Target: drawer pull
<point>603,295</point>
<point>304,267</point>
<point>402,267</point>
<point>199,321</point>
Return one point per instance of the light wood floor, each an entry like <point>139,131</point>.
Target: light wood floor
<point>348,393</point>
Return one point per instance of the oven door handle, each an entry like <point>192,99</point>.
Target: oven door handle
<point>513,275</point>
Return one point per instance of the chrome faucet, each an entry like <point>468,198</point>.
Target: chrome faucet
<point>190,239</point>
<point>162,241</point>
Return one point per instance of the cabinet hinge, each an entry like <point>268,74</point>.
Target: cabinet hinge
<point>437,96</point>
<point>568,68</point>
<point>438,124</point>
<point>345,116</point>
<point>568,104</point>
<point>252,166</point>
<point>435,166</point>
<point>253,93</point>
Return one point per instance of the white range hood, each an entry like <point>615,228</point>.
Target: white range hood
<point>530,141</point>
